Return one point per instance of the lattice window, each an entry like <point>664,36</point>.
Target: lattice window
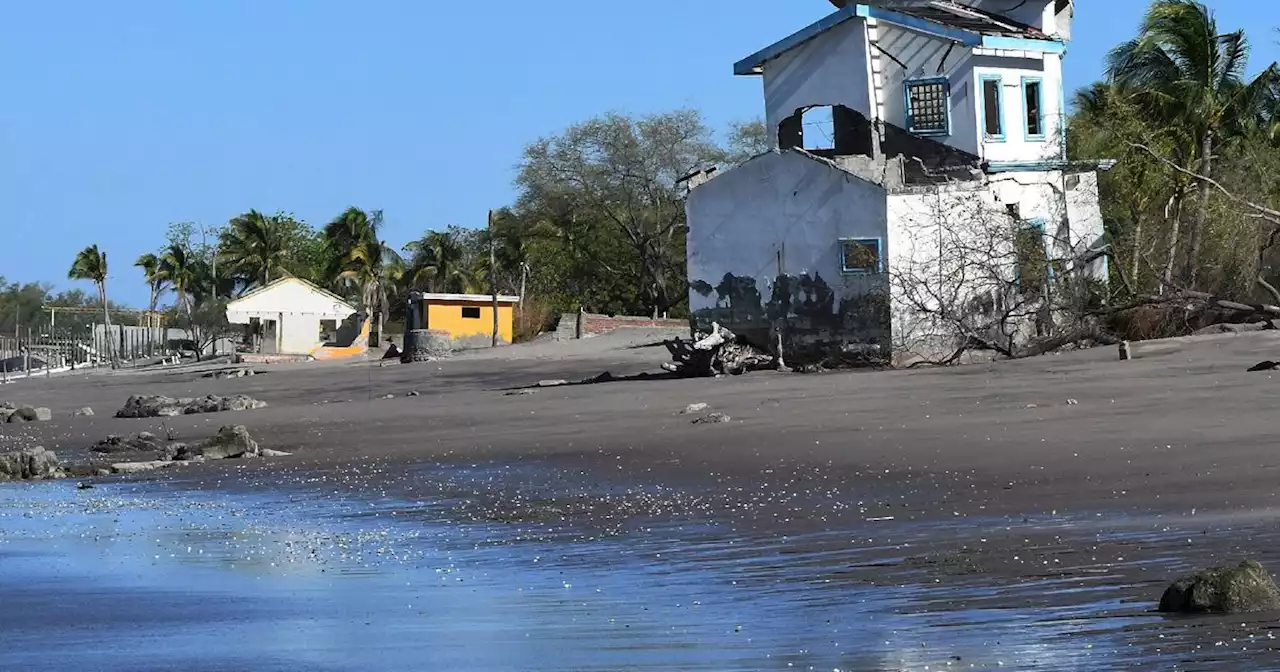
<point>927,107</point>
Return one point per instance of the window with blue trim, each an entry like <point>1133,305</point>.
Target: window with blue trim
<point>860,255</point>
<point>992,108</point>
<point>927,106</point>
<point>1033,107</point>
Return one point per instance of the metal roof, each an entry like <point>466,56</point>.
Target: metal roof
<point>943,18</point>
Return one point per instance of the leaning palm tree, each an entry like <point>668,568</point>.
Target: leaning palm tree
<point>91,264</point>
<point>439,263</point>
<point>155,277</point>
<point>374,269</point>
<point>1191,78</point>
<point>254,248</point>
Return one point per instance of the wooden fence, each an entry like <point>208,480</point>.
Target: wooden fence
<point>31,353</point>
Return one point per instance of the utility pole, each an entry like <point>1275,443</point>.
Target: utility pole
<point>493,284</point>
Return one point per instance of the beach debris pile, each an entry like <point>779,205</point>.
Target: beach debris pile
<point>1245,588</point>
<point>717,353</point>
<point>10,412</point>
<point>27,464</point>
<point>156,406</point>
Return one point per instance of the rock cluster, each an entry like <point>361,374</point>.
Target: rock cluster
<point>231,442</point>
<point>231,373</point>
<point>12,413</point>
<point>1245,588</point>
<point>156,406</point>
<point>29,464</point>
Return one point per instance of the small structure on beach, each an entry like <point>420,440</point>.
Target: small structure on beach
<point>294,318</point>
<point>467,318</point>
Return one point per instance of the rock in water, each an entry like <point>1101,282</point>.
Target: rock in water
<point>232,441</point>
<point>696,408</point>
<point>84,412</point>
<point>1245,588</point>
<point>29,464</point>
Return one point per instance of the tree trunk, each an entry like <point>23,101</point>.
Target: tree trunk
<point>106,315</point>
<point>1174,224</point>
<point>1196,234</point>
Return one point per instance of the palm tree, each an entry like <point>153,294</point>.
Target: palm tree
<point>91,264</point>
<point>346,232</point>
<point>154,274</point>
<point>373,268</point>
<point>185,274</point>
<point>361,261</point>
<point>255,249</point>
<point>439,263</point>
<point>1185,73</point>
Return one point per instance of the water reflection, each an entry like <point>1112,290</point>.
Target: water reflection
<point>500,570</point>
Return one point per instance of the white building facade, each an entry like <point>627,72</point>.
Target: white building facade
<point>912,139</point>
<point>293,317</point>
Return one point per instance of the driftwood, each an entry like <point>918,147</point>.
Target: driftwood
<point>718,352</point>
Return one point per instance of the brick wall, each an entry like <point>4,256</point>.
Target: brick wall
<point>603,324</point>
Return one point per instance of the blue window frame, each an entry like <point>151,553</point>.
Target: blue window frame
<point>992,101</point>
<point>928,104</point>
<point>1033,107</point>
<point>860,256</point>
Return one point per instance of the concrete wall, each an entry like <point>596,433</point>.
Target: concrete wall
<point>925,57</point>
<point>447,316</point>
<point>300,334</point>
<point>764,255</point>
<point>831,69</point>
<point>1017,145</point>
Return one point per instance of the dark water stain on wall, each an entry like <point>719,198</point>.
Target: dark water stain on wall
<point>816,322</point>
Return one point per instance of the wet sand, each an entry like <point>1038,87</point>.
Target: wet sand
<point>1042,503</point>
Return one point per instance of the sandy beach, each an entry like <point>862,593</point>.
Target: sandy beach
<point>1044,503</point>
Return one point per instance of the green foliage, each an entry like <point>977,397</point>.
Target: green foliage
<point>1178,100</point>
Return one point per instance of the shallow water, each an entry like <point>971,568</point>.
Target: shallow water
<point>528,567</point>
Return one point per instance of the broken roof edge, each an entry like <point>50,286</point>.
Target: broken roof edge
<point>754,64</point>
<point>1065,165</point>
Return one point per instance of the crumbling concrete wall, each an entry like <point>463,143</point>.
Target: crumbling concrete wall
<point>831,69</point>
<point>765,257</point>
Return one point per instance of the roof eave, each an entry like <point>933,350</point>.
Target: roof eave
<point>754,64</point>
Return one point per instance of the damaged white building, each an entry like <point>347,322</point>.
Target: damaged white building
<point>918,146</point>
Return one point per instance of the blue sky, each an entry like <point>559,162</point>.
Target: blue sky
<point>122,117</point>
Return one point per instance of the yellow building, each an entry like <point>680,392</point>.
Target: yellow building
<point>468,318</point>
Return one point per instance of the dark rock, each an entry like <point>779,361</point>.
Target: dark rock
<point>178,452</point>
<point>151,406</point>
<point>84,486</point>
<point>1265,366</point>
<point>1245,588</point>
<point>84,412</point>
<point>412,393</point>
<point>141,406</point>
<point>29,414</point>
<point>29,464</point>
<point>520,393</point>
<point>232,441</point>
<point>712,419</point>
<point>142,442</point>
